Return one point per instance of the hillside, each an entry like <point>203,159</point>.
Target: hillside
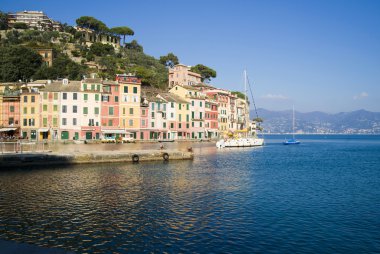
<point>360,121</point>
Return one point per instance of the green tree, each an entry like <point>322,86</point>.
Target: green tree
<point>18,63</point>
<point>109,66</point>
<point>100,49</point>
<point>20,25</point>
<point>169,60</point>
<point>239,94</point>
<point>122,31</point>
<point>63,67</point>
<point>133,45</point>
<point>206,72</point>
<point>92,23</point>
<point>3,21</point>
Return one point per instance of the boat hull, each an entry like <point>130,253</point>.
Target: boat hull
<point>291,142</point>
<point>242,142</point>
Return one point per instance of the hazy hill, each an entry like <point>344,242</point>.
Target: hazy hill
<point>360,121</point>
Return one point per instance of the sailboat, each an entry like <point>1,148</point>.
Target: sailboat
<point>238,140</point>
<point>292,141</point>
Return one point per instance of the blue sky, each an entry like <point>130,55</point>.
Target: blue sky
<point>318,55</point>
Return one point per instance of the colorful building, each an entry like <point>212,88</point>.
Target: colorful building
<point>30,113</point>
<point>10,111</point>
<point>130,99</point>
<point>181,75</point>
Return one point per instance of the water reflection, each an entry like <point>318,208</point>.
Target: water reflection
<point>234,200</point>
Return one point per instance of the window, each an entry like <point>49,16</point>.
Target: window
<point>171,125</point>
<point>200,115</point>
<point>44,121</point>
<point>172,104</point>
<point>55,96</point>
<point>200,104</point>
<point>135,99</point>
<point>125,89</point>
<point>179,125</point>
<point>187,106</point>
<point>10,120</point>
<point>180,106</point>
<point>75,109</point>
<point>180,117</point>
<point>44,108</point>
<point>116,89</point>
<point>116,98</point>
<point>187,118</point>
<point>85,87</point>
<point>85,97</point>
<point>11,108</point>
<point>143,123</point>
<point>125,98</point>
<point>152,106</point>
<point>152,114</point>
<point>92,87</point>
<point>64,121</point>
<point>192,124</point>
<point>164,107</point>
<point>96,111</point>
<point>45,96</point>
<point>192,103</point>
<point>123,111</point>
<point>131,111</point>
<point>164,125</point>
<point>25,98</point>
<point>192,114</point>
<point>85,110</point>
<point>25,110</point>
<point>25,122</point>
<point>55,108</point>
<point>74,121</point>
<point>172,115</point>
<point>98,87</point>
<point>75,96</point>
<point>134,89</point>
<point>55,121</point>
<point>187,126</point>
<point>32,110</point>
<point>152,124</point>
<point>143,112</point>
<point>200,124</point>
<point>130,123</point>
<point>110,122</point>
<point>33,98</point>
<point>105,98</point>
<point>64,109</point>
<point>110,111</point>
<point>96,97</point>
<point>91,122</point>
<point>64,96</point>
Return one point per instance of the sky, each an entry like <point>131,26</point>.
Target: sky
<point>318,55</point>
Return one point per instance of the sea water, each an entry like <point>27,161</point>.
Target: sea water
<point>322,196</point>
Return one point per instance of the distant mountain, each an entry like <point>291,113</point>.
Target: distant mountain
<point>358,122</point>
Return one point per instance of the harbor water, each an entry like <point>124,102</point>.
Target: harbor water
<point>322,196</point>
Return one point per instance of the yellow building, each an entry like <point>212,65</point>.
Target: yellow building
<point>30,113</point>
<point>130,98</point>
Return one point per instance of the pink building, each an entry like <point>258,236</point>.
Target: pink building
<point>144,120</point>
<point>110,110</point>
<point>10,125</point>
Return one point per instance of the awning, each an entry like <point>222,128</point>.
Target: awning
<point>43,130</point>
<point>115,132</point>
<point>7,129</point>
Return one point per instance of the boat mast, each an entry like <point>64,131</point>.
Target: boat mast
<point>293,121</point>
<point>246,102</point>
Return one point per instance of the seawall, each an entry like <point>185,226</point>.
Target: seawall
<point>45,159</point>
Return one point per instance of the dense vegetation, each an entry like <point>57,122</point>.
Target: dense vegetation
<point>73,58</point>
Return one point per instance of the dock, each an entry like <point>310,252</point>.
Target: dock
<point>45,159</point>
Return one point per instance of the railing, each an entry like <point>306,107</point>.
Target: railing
<point>25,147</point>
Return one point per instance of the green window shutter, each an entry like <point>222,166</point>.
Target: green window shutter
<point>96,97</point>
<point>125,89</point>
<point>134,89</point>
<point>45,107</point>
<point>187,106</point>
<point>96,111</point>
<point>131,111</point>
<point>85,97</point>
<point>85,110</point>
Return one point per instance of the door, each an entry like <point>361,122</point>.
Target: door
<point>33,134</point>
<point>64,135</point>
<point>76,136</point>
<point>88,135</point>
